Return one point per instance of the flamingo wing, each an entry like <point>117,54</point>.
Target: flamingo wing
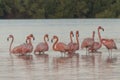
<point>109,43</point>
<point>114,44</point>
<point>18,49</point>
<point>87,42</point>
<point>41,47</point>
<point>96,46</point>
<point>62,47</point>
<point>76,46</point>
<point>71,46</point>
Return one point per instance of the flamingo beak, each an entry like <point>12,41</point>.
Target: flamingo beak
<point>52,40</point>
<point>102,29</point>
<point>26,40</point>
<point>48,39</point>
<point>33,38</point>
<point>8,39</point>
<point>73,35</point>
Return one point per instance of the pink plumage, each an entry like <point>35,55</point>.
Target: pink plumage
<point>17,49</point>
<point>88,42</point>
<point>42,46</point>
<point>97,45</point>
<point>59,46</point>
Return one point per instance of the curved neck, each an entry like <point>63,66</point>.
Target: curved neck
<point>71,35</point>
<point>45,39</point>
<point>29,41</point>
<point>54,47</point>
<point>99,35</point>
<point>10,48</point>
<point>93,35</point>
<point>77,39</point>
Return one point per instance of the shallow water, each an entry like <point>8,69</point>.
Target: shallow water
<point>51,65</point>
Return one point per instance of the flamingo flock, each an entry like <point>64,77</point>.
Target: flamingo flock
<point>88,43</point>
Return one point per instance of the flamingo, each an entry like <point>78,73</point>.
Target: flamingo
<point>28,48</point>
<point>43,46</point>
<point>71,42</point>
<point>59,46</point>
<point>74,46</point>
<point>88,42</point>
<point>16,49</point>
<point>109,44</point>
<point>97,45</point>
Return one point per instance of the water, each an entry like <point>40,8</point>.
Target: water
<point>51,66</point>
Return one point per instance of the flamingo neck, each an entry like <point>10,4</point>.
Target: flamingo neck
<point>99,36</point>
<point>93,36</point>
<point>45,39</point>
<point>77,39</point>
<point>10,48</point>
<point>54,45</point>
<point>71,38</point>
<point>29,41</point>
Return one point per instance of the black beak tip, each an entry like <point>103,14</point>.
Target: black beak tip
<point>33,38</point>
<point>7,39</point>
<point>51,40</point>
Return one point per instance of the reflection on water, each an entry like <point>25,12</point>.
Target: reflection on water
<point>94,66</point>
<point>111,60</point>
<point>66,62</point>
<point>42,57</point>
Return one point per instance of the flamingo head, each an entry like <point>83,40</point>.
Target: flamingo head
<point>77,33</point>
<point>54,37</point>
<point>93,32</point>
<point>101,28</point>
<point>31,36</point>
<point>47,37</point>
<point>71,33</point>
<point>10,36</point>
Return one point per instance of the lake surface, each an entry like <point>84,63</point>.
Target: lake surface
<point>51,65</point>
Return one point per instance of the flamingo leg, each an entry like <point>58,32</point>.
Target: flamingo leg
<point>64,54</point>
<point>39,52</point>
<point>111,53</point>
<point>61,54</point>
<point>86,51</point>
<point>42,52</point>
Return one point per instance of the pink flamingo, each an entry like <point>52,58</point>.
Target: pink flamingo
<point>28,48</point>
<point>16,49</point>
<point>43,46</point>
<point>97,45</point>
<point>59,46</point>
<point>74,46</point>
<point>109,44</point>
<point>88,42</point>
<point>70,45</point>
